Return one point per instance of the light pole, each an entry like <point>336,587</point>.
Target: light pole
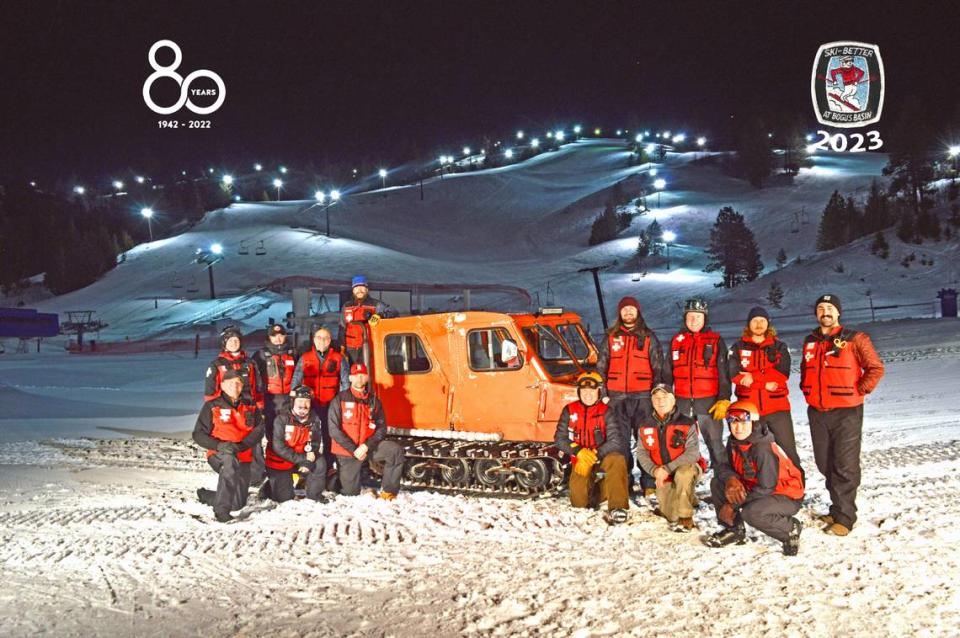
<point>954,152</point>
<point>278,183</point>
<point>148,213</point>
<point>383,177</point>
<point>669,237</point>
<point>659,184</point>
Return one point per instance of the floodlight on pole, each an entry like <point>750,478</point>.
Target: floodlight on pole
<point>320,196</point>
<point>79,190</point>
<point>278,184</point>
<point>659,184</point>
<point>148,213</point>
<point>519,135</point>
<point>653,172</point>
<point>228,180</point>
<point>466,150</point>
<point>258,167</point>
<point>118,184</point>
<point>283,169</point>
<point>535,143</point>
<point>559,135</point>
<point>669,237</point>
<point>701,141</point>
<point>508,153</point>
<point>140,179</point>
<point>383,176</point>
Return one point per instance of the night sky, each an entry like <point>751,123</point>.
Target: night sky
<point>378,81</point>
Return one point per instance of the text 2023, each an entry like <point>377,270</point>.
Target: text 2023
<point>843,143</point>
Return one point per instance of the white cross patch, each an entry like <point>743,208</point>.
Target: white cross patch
<point>616,346</point>
<point>649,441</point>
<point>744,363</point>
<point>348,414</point>
<point>680,337</point>
<point>808,356</point>
<point>224,414</point>
<point>574,417</point>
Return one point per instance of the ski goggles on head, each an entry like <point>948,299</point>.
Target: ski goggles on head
<point>302,392</point>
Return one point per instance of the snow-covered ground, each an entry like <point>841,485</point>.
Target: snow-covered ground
<point>105,537</point>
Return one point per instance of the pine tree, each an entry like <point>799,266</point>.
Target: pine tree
<point>643,249</point>
<point>906,231</point>
<point>880,247</point>
<point>604,227</point>
<point>781,258</point>
<point>733,249</point>
<point>833,231</point>
<point>754,154</point>
<point>655,237</point>
<point>909,164</point>
<point>775,295</point>
<point>852,220</point>
<point>876,212</point>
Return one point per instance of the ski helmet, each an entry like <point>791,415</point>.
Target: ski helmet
<point>742,411</point>
<point>589,380</point>
<point>302,392</point>
<point>695,304</point>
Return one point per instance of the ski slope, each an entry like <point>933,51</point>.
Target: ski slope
<point>523,225</point>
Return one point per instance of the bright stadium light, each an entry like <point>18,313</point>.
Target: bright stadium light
<point>118,184</point>
<point>148,214</point>
<point>653,172</point>
<point>669,236</point>
<point>79,190</point>
<point>508,153</point>
<point>382,172</point>
<point>141,179</point>
<point>236,198</point>
<point>811,149</point>
<point>210,170</point>
<point>597,132</point>
<point>283,169</point>
<point>466,150</point>
<point>701,141</point>
<point>335,195</point>
<point>577,129</point>
<point>619,132</point>
<point>809,137</point>
<point>550,134</point>
<point>650,149</point>
<point>258,167</point>
<point>228,180</point>
<point>320,196</point>
<point>953,151</point>
<point>535,143</point>
<point>216,249</point>
<point>559,135</point>
<point>277,183</point>
<point>680,137</point>
<point>638,138</point>
<point>660,184</point>
<point>519,135</point>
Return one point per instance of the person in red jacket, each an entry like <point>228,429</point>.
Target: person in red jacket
<point>232,357</point>
<point>358,432</point>
<point>229,426</point>
<point>296,447</point>
<point>631,361</point>
<point>356,314</point>
<point>326,372</point>
<point>839,368</point>
<point>589,432</point>
<point>759,486</point>
<point>698,369</point>
<point>275,362</point>
<point>759,368</point>
<point>669,450</point>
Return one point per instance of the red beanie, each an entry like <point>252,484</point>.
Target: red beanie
<point>628,301</point>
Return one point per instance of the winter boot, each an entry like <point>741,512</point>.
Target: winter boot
<point>615,517</point>
<point>792,545</point>
<point>727,536</point>
<point>649,492</point>
<point>837,530</point>
<point>387,496</point>
<point>686,523</point>
<point>223,517</point>
<point>206,496</point>
<point>826,519</point>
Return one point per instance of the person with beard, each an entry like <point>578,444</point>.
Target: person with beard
<point>229,427</point>
<point>358,432</point>
<point>698,368</point>
<point>296,447</point>
<point>631,361</point>
<point>840,367</point>
<point>326,372</point>
<point>588,431</point>
<point>354,316</point>
<point>759,368</point>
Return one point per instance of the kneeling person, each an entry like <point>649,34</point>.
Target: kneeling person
<point>296,447</point>
<point>589,432</point>
<point>760,486</point>
<point>358,430</point>
<point>228,426</point>
<point>669,450</point>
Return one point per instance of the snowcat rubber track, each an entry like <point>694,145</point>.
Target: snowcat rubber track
<point>504,468</point>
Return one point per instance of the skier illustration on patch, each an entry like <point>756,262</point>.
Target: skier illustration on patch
<point>844,83</point>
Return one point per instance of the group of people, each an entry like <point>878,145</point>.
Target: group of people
<point>644,405</point>
<point>315,411</point>
<point>663,402</point>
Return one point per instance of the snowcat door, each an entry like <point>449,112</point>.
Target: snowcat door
<point>499,391</point>
<point>411,381</point>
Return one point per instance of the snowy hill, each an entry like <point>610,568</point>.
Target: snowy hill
<point>521,225</point>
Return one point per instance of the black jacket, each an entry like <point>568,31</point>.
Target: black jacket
<point>279,444</point>
<point>615,440</point>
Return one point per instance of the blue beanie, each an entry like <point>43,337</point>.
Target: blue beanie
<point>359,280</point>
<point>758,311</point>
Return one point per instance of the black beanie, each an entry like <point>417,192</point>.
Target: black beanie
<point>758,311</point>
<point>830,299</point>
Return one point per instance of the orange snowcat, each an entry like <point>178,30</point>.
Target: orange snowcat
<point>474,397</point>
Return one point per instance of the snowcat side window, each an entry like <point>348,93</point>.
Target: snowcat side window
<point>486,350</point>
<point>406,355</point>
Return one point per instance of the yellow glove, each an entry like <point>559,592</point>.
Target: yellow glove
<point>374,320</point>
<point>586,458</point>
<point>719,409</point>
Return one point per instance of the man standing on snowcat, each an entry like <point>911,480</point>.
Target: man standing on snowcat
<point>355,315</point>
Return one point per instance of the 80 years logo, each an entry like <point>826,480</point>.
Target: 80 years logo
<point>220,93</point>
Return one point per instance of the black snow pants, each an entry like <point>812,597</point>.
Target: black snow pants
<point>836,436</point>
<point>388,452</point>
<point>770,514</point>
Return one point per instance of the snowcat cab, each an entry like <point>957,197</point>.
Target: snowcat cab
<point>475,396</point>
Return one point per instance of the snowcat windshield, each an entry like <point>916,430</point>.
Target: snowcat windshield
<point>554,344</point>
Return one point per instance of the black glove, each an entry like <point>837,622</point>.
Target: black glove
<point>228,447</point>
